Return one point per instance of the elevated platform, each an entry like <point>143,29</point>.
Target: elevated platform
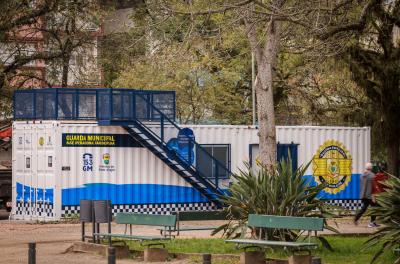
<point>108,106</point>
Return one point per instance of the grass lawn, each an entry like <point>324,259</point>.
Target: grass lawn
<point>347,250</point>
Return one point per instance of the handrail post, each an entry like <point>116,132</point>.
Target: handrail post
<point>111,104</point>
<point>190,152</point>
<point>216,175</point>
<point>162,128</point>
<point>97,105</point>
<point>149,110</point>
<point>34,105</point>
<point>56,104</point>
<point>76,104</point>
<point>134,106</point>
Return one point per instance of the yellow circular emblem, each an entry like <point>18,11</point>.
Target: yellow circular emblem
<point>41,141</point>
<point>332,164</point>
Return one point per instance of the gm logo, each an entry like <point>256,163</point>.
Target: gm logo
<point>87,162</point>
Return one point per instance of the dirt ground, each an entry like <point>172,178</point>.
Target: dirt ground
<point>53,240</point>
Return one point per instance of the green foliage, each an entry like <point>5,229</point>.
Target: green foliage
<point>388,214</point>
<point>281,191</point>
<point>210,83</point>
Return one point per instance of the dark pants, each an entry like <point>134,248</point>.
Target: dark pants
<point>365,204</point>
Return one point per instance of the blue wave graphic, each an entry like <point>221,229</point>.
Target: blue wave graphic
<point>351,191</point>
<point>132,194</point>
<point>27,194</point>
<point>149,193</point>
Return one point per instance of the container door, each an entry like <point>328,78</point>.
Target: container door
<point>34,174</point>
<point>22,171</point>
<point>43,180</point>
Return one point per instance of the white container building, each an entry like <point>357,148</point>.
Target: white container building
<point>50,177</point>
<point>123,145</point>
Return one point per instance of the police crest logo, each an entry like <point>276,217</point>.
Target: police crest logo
<point>332,165</point>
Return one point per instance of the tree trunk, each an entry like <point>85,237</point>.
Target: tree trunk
<point>392,147</point>
<point>65,70</point>
<point>391,114</point>
<point>265,99</point>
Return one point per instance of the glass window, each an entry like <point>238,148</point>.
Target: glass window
<point>284,151</point>
<point>210,167</point>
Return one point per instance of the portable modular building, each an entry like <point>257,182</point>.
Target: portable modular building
<point>142,161</point>
<point>58,163</point>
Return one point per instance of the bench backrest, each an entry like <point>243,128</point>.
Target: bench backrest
<point>201,216</point>
<point>286,222</point>
<point>146,219</point>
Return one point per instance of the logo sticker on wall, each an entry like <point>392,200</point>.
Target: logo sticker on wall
<point>183,145</point>
<point>87,162</point>
<point>332,164</point>
<point>105,165</point>
<point>106,158</point>
<point>41,141</point>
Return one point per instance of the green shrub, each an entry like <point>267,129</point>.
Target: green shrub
<point>280,191</point>
<point>388,214</point>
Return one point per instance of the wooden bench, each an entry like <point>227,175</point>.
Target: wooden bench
<point>282,222</point>
<point>168,223</point>
<point>197,216</point>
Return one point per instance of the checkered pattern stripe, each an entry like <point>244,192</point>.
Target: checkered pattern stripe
<point>346,204</point>
<point>35,209</point>
<point>68,211</point>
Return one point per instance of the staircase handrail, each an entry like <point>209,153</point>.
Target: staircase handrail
<point>177,127</point>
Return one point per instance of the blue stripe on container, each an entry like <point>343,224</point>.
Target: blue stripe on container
<point>152,193</point>
<point>149,194</point>
<point>350,192</point>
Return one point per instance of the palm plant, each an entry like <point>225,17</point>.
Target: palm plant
<point>280,191</point>
<point>388,214</point>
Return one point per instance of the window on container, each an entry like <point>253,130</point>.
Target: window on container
<point>50,161</point>
<point>216,163</point>
<point>283,152</point>
<point>28,163</point>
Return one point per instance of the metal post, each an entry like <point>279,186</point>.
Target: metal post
<point>206,258</point>
<point>162,128</point>
<point>83,231</point>
<point>253,87</point>
<point>97,105</point>
<point>111,104</point>
<point>111,255</point>
<point>98,231</point>
<point>56,103</point>
<point>190,152</point>
<point>93,230</point>
<point>216,174</point>
<point>32,253</point>
<point>109,218</point>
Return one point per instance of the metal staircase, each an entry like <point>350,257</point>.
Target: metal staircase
<point>154,134</point>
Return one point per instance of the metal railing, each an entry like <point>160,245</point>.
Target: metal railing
<point>192,153</point>
<point>91,104</point>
